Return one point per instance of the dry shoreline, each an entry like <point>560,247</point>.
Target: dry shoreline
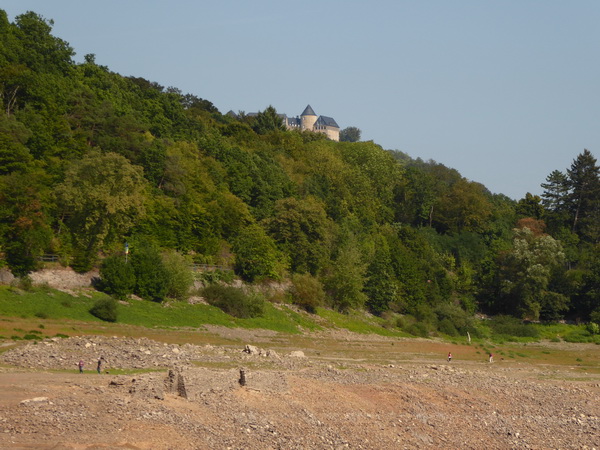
<point>347,391</point>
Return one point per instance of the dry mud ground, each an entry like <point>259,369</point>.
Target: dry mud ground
<point>347,391</point>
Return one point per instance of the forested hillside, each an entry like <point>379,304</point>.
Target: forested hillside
<point>90,159</point>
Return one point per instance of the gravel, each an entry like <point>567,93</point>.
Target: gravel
<point>153,395</point>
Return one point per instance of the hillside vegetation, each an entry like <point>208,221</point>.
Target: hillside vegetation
<point>90,159</point>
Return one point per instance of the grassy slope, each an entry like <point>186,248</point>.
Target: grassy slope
<point>45,312</point>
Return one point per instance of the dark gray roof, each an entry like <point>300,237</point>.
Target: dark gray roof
<point>326,121</point>
<point>293,121</point>
<point>308,111</point>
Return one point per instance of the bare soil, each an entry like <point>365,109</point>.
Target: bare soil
<point>328,390</point>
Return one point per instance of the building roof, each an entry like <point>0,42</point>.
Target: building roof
<point>326,121</point>
<point>308,111</point>
<point>293,121</point>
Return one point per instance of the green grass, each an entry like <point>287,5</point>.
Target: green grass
<point>59,305</point>
<point>357,322</point>
<point>566,332</point>
<point>51,306</point>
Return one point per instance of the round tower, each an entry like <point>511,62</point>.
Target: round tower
<point>308,119</point>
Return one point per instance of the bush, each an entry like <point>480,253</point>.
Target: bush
<point>234,301</point>
<point>215,276</point>
<point>256,255</point>
<point>307,292</point>
<point>424,313</point>
<point>593,328</point>
<point>418,329</point>
<point>179,275</point>
<point>447,327</point>
<point>578,334</point>
<point>511,326</point>
<point>105,309</point>
<point>25,283</point>
<point>151,276</point>
<point>455,321</point>
<point>117,277</point>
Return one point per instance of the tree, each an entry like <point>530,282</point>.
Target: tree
<point>307,291</point>
<point>256,255</point>
<point>23,221</point>
<point>350,134</point>
<point>345,278</point>
<point>267,121</point>
<point>102,198</point>
<point>380,287</point>
<point>525,275</point>
<point>555,193</point>
<point>530,206</point>
<point>464,206</point>
<point>14,156</point>
<point>584,196</point>
<point>179,274</point>
<point>554,199</point>
<point>151,276</point>
<point>42,51</point>
<point>302,230</point>
<point>117,277</point>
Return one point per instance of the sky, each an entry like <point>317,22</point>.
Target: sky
<point>503,91</point>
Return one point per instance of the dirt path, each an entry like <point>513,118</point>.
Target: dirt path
<point>348,391</point>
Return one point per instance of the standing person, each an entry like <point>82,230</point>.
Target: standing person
<point>99,366</point>
<point>80,365</point>
<point>491,358</point>
<point>449,357</point>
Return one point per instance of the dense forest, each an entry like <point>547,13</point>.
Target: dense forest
<point>90,159</point>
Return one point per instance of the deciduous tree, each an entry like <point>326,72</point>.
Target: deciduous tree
<point>102,197</point>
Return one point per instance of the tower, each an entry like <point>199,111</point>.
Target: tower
<point>308,119</point>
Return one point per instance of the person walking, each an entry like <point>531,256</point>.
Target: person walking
<point>491,358</point>
<point>449,357</point>
<point>80,365</point>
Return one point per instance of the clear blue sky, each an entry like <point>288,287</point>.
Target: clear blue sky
<point>503,91</point>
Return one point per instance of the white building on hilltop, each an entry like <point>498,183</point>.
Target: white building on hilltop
<point>309,121</point>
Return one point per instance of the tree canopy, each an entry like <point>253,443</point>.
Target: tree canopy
<point>90,158</point>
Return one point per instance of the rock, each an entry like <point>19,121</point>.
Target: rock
<point>297,354</point>
<point>252,350</point>
<point>34,400</point>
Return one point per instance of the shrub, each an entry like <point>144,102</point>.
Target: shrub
<point>151,276</point>
<point>179,275</point>
<point>593,328</point>
<point>447,327</point>
<point>418,329</point>
<point>234,301</point>
<point>117,277</point>
<point>256,255</point>
<point>105,309</point>
<point>307,292</point>
<point>424,313</point>
<point>578,334</point>
<point>511,326</point>
<point>25,283</point>
<point>31,337</point>
<point>215,276</point>
<point>454,321</point>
